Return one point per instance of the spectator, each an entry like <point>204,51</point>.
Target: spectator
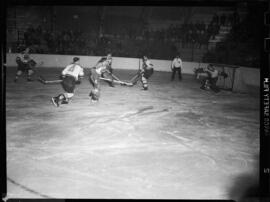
<point>215,19</point>
<point>236,18</point>
<point>223,20</point>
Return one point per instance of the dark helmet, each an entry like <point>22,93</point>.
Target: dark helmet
<point>75,59</point>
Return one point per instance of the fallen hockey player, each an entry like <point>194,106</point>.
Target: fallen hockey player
<point>25,64</point>
<point>70,76</point>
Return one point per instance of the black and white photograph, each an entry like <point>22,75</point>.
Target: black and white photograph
<point>140,101</point>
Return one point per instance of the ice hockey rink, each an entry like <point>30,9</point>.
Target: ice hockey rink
<point>173,141</point>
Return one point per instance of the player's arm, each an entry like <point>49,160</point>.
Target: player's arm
<point>181,64</point>
<point>64,72</point>
<point>81,73</point>
<point>209,73</point>
<point>150,64</point>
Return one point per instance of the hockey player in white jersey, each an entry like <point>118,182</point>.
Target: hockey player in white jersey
<point>70,75</point>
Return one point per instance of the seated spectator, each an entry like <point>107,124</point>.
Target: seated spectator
<point>223,20</point>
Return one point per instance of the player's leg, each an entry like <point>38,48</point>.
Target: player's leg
<point>30,72</point>
<point>180,74</point>
<point>67,98</point>
<point>62,98</point>
<point>94,78</point>
<point>144,83</point>
<point>173,74</point>
<point>58,99</point>
<point>20,68</point>
<point>148,73</point>
<point>69,87</point>
<point>68,84</point>
<point>94,94</point>
<point>108,76</point>
<point>18,74</point>
<point>204,83</point>
<point>30,65</point>
<point>213,85</point>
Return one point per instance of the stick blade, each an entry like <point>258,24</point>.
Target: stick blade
<point>42,79</point>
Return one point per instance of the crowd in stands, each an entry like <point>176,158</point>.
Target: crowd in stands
<point>81,43</point>
<point>58,42</point>
<point>127,42</point>
<point>188,34</point>
<point>242,45</point>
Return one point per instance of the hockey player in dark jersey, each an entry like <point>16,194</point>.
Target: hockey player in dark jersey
<point>101,68</point>
<point>107,74</point>
<point>211,79</point>
<point>25,64</point>
<point>145,73</point>
<point>94,79</point>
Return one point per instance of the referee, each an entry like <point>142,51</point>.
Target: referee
<point>176,66</point>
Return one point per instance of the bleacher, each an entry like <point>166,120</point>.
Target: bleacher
<point>129,35</point>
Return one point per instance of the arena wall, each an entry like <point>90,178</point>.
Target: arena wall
<point>245,79</point>
<point>90,61</point>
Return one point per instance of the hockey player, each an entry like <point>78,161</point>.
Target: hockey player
<point>176,66</point>
<point>211,79</point>
<point>94,77</point>
<point>94,80</point>
<point>107,74</point>
<point>25,64</point>
<point>145,73</point>
<point>72,73</point>
<point>109,59</point>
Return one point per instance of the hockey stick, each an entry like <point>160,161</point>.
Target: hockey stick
<point>44,81</point>
<point>115,77</point>
<point>117,81</point>
<point>136,77</point>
